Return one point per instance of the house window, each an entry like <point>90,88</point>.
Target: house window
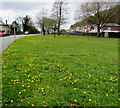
<point>109,28</point>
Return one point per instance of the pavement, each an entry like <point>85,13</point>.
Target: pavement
<point>6,41</point>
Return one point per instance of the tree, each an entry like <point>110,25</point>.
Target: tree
<point>79,23</point>
<point>16,26</point>
<point>33,29</point>
<point>114,17</point>
<point>41,20</point>
<point>59,13</point>
<point>19,20</point>
<point>17,29</point>
<point>25,23</point>
<point>49,24</point>
<point>93,13</point>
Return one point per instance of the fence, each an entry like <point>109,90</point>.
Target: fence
<point>109,34</point>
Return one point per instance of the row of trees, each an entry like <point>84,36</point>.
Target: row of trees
<point>24,24</point>
<point>98,12</point>
<point>95,12</point>
<point>52,22</point>
<point>48,23</point>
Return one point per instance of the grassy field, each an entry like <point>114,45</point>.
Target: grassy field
<point>62,71</point>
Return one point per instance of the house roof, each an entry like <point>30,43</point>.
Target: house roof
<point>2,23</point>
<point>108,24</point>
<point>112,24</point>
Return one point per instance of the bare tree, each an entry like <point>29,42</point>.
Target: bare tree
<point>49,24</point>
<point>41,20</point>
<point>19,20</point>
<point>96,12</point>
<point>59,13</point>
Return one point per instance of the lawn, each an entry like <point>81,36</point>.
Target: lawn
<point>62,71</point>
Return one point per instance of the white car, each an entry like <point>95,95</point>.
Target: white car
<point>26,32</point>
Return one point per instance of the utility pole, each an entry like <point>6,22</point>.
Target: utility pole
<point>6,27</point>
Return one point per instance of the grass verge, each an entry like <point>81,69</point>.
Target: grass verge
<point>62,71</point>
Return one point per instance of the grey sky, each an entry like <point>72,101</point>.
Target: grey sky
<point>21,8</point>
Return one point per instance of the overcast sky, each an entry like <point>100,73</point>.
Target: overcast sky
<point>13,8</point>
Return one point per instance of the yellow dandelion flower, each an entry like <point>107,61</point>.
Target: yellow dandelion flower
<point>75,88</point>
<point>90,100</point>
<point>28,75</point>
<point>96,79</point>
<point>75,80</point>
<point>106,94</point>
<point>19,92</point>
<point>28,86</point>
<point>11,101</point>
<point>48,87</point>
<point>33,105</point>
<point>75,100</point>
<point>32,81</point>
<point>43,101</point>
<point>44,105</point>
<point>24,90</point>
<point>84,92</point>
<point>23,85</point>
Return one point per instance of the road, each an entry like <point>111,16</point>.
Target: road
<point>6,41</point>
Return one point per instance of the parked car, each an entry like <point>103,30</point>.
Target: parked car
<point>26,32</point>
<point>3,33</point>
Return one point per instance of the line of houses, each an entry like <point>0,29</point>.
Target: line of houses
<point>4,28</point>
<point>109,27</point>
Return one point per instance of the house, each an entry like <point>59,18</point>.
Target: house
<point>109,27</point>
<point>4,28</point>
<point>72,30</point>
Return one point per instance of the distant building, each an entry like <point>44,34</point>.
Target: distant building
<point>109,27</point>
<point>4,28</point>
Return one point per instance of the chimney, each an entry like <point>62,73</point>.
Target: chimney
<point>6,22</point>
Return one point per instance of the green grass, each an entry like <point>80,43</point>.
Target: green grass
<point>61,71</point>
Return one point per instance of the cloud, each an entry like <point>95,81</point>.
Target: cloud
<point>12,9</point>
<point>21,6</point>
<point>29,0</point>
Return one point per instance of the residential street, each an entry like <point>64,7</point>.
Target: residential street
<point>6,41</point>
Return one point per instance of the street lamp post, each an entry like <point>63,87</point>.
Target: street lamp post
<point>14,25</point>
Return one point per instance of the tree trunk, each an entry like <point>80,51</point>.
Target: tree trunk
<point>48,32</point>
<point>98,30</point>
<point>59,20</point>
<point>58,31</point>
<point>54,33</point>
<point>43,30</point>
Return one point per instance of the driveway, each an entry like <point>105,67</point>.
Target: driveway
<point>6,41</point>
